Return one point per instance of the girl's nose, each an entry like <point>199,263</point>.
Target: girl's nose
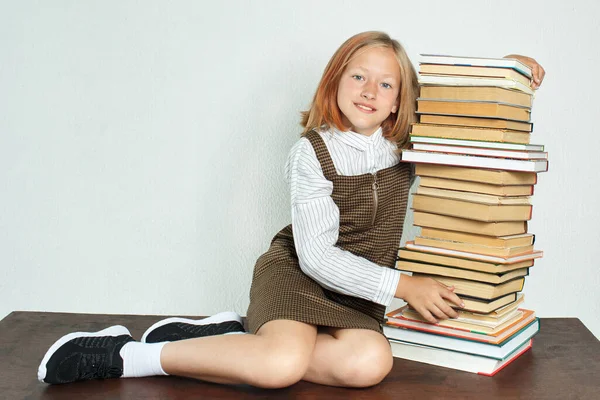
<point>368,95</point>
<point>368,91</point>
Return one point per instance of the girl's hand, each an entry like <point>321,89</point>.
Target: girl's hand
<point>537,71</point>
<point>427,297</point>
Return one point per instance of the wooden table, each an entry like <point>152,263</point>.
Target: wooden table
<point>564,363</point>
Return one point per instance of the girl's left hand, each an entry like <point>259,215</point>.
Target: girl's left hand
<point>537,71</point>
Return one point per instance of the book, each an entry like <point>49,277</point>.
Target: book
<point>471,210</point>
<point>468,225</point>
<point>476,93</point>
<point>494,177</point>
<point>461,160</point>
<point>476,62</point>
<point>471,323</point>
<point>494,315</point>
<point>473,109</point>
<point>477,151</point>
<point>509,241</point>
<point>469,70</point>
<point>490,134</point>
<point>476,187</point>
<point>478,290</point>
<point>453,359</point>
<point>473,248</point>
<point>452,272</point>
<point>477,143</point>
<point>460,323</point>
<point>474,197</point>
<point>496,123</point>
<point>496,351</point>
<point>449,80</point>
<point>486,306</point>
<point>474,256</point>
<point>462,263</point>
<point>395,319</point>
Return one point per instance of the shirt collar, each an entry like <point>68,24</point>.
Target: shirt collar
<point>358,141</point>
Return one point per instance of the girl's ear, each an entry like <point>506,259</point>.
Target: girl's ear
<point>396,105</point>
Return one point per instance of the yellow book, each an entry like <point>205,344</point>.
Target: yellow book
<point>471,133</point>
<point>509,241</point>
<point>479,290</point>
<point>476,187</point>
<point>489,176</point>
<point>476,93</point>
<point>473,248</point>
<point>462,70</point>
<point>468,225</point>
<point>405,254</point>
<point>473,197</point>
<point>471,210</point>
<point>473,109</point>
<point>451,272</point>
<point>495,123</point>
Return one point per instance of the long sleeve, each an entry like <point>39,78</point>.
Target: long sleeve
<point>315,223</point>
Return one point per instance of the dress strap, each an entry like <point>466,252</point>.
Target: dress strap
<point>322,154</point>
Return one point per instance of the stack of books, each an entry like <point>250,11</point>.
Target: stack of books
<point>477,172</point>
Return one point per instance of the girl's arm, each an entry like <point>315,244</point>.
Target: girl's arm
<point>315,223</point>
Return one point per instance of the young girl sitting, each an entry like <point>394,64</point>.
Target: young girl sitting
<point>319,293</point>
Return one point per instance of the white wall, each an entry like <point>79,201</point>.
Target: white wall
<point>142,143</point>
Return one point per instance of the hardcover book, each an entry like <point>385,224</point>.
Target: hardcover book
<point>476,62</point>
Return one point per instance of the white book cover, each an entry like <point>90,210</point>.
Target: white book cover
<point>453,359</point>
<point>477,143</point>
<point>477,151</point>
<point>474,161</point>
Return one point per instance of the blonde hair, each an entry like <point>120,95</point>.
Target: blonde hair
<point>324,111</point>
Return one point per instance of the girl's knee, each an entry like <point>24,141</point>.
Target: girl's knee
<point>367,366</point>
<point>281,368</point>
<point>287,348</point>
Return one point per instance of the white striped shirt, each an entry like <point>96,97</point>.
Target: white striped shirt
<point>316,218</point>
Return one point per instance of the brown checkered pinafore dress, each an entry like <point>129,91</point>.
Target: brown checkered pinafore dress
<point>372,209</point>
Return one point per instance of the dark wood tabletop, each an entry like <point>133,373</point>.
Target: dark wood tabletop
<point>564,363</point>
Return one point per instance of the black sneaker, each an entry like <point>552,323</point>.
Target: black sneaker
<point>81,356</point>
<point>173,329</point>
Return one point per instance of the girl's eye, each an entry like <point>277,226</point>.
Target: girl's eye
<point>386,85</point>
<point>357,77</point>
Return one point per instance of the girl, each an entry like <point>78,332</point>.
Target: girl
<point>319,293</point>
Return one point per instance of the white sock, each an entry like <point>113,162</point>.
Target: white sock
<point>141,359</point>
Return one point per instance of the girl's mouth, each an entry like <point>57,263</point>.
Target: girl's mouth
<point>365,108</point>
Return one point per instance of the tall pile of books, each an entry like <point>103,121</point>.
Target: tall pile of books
<point>477,172</point>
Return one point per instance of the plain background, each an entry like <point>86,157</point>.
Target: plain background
<point>142,143</point>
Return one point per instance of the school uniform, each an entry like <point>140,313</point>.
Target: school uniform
<point>342,278</point>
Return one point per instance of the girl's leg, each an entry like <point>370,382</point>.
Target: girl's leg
<point>349,358</point>
<point>277,356</point>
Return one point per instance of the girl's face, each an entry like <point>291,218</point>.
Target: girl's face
<point>368,89</point>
